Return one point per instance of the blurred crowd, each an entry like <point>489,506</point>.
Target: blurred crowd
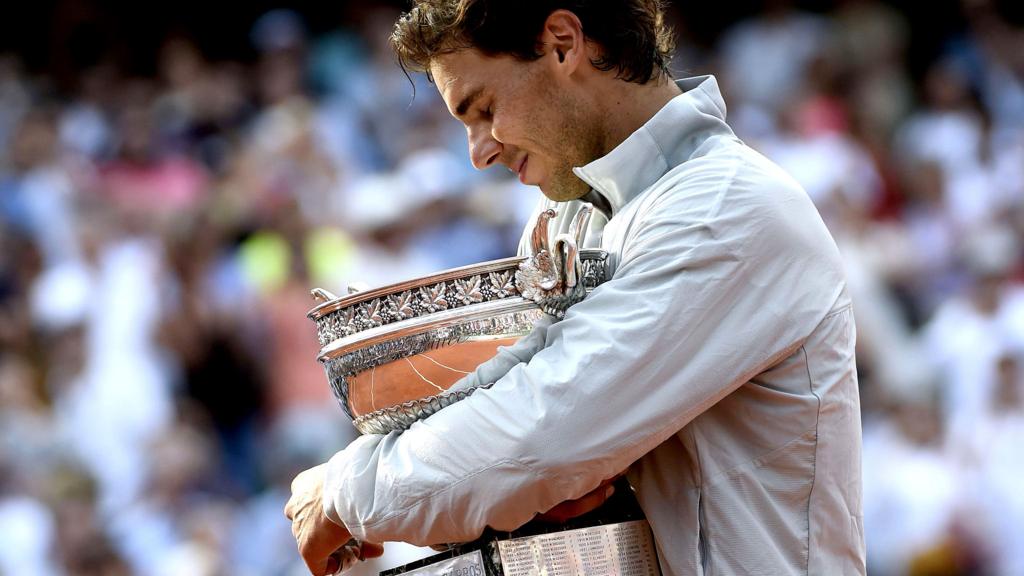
<point>159,236</point>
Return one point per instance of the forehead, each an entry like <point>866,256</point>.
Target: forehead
<point>459,73</point>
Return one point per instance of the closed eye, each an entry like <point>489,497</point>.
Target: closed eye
<point>465,104</point>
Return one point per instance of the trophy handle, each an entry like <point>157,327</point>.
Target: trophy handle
<point>581,223</point>
<point>322,296</point>
<point>551,276</point>
<point>568,255</point>
<point>567,247</point>
<point>539,237</point>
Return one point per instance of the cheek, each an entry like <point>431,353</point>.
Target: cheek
<point>526,126</point>
<point>506,126</point>
<point>514,120</point>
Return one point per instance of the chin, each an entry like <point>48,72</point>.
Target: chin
<point>564,193</point>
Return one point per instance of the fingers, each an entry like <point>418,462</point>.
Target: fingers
<point>344,558</point>
<point>573,508</point>
<point>371,550</point>
<point>316,536</point>
<point>297,488</point>
<point>325,547</point>
<point>321,568</point>
<point>333,565</point>
<point>303,479</point>
<point>289,508</point>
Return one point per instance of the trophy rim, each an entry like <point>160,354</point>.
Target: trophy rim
<point>512,262</point>
<point>341,302</point>
<point>466,287</point>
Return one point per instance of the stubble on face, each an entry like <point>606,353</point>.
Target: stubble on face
<point>568,135</point>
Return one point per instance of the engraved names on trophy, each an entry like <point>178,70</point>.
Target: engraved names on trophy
<point>623,549</point>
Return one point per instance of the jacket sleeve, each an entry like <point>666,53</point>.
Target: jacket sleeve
<point>507,357</point>
<point>714,286</point>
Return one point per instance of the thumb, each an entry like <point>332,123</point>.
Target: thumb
<point>371,550</point>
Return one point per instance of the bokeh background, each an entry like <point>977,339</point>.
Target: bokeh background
<point>175,177</point>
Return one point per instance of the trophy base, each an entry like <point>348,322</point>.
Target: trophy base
<point>614,540</point>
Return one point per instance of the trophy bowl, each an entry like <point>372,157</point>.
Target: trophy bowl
<point>392,354</point>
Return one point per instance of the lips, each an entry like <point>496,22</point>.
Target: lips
<point>521,169</point>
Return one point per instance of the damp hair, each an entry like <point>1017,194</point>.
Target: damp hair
<point>633,38</point>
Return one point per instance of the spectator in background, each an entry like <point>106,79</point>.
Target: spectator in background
<point>968,334</point>
<point>146,176</point>
<point>989,53</point>
<point>871,43</point>
<point>84,126</point>
<point>998,461</point>
<point>176,108</point>
<point>764,60</point>
<point>911,488</point>
<point>15,96</point>
<point>26,522</point>
<point>84,542</point>
<point>955,134</point>
<point>38,191</point>
<point>222,369</point>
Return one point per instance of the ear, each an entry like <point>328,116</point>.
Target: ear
<point>563,42</point>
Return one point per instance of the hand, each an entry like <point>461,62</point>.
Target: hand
<point>318,537</point>
<point>588,502</point>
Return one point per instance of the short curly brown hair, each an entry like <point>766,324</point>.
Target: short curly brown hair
<point>634,39</point>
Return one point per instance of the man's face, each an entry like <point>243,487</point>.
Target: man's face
<point>521,115</point>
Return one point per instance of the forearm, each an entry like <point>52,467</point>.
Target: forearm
<point>507,358</point>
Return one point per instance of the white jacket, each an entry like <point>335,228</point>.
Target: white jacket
<point>717,365</point>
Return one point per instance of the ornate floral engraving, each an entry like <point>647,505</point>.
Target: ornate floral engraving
<point>347,320</point>
<point>371,313</point>
<point>401,305</point>
<point>529,282</point>
<point>432,298</point>
<point>468,290</point>
<point>503,284</point>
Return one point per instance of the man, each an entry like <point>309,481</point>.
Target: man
<point>716,366</point>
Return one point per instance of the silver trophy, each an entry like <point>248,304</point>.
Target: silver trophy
<point>394,355</point>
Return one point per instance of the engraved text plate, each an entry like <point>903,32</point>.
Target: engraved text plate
<point>623,549</point>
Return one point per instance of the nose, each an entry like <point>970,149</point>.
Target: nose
<point>484,149</point>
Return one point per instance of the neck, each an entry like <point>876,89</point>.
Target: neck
<point>628,106</point>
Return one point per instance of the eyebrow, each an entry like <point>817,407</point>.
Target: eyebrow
<point>466,102</point>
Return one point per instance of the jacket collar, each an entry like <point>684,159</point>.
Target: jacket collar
<point>669,138</point>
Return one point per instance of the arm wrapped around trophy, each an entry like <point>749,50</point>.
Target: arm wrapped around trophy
<point>398,354</point>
